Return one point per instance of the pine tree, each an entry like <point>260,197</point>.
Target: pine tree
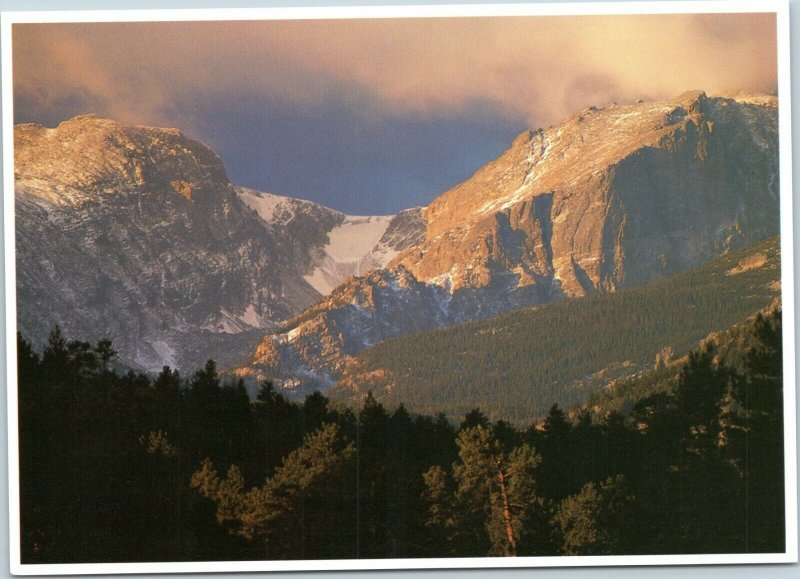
<point>494,493</point>
<point>756,437</point>
<point>291,513</point>
<point>592,522</point>
<point>373,442</point>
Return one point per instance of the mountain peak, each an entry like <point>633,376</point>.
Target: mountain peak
<point>89,155</point>
<point>612,197</point>
<point>583,145</point>
<point>548,178</point>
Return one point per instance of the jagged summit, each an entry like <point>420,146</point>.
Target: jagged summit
<point>88,155</point>
<point>576,179</point>
<point>136,234</point>
<point>540,160</point>
<point>612,197</point>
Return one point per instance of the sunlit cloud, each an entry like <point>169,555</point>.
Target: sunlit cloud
<point>374,115</point>
<point>540,67</point>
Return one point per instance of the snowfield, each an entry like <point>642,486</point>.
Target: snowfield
<point>354,245</point>
<point>354,239</point>
<point>351,250</point>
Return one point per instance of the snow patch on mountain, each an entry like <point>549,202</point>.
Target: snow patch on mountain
<point>345,245</point>
<point>265,204</point>
<point>350,238</point>
<point>349,251</point>
<point>165,352</point>
<point>251,317</point>
<point>356,237</point>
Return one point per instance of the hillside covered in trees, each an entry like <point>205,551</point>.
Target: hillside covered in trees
<point>128,468</point>
<point>516,365</point>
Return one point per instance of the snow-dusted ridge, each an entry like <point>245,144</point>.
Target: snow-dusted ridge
<point>350,251</point>
<point>610,198</point>
<point>355,244</point>
<point>136,234</point>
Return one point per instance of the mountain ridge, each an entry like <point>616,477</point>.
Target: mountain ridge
<point>516,365</point>
<point>700,181</point>
<point>137,234</point>
<point>595,155</point>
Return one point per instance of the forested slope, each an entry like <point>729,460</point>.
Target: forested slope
<point>125,468</point>
<point>516,365</point>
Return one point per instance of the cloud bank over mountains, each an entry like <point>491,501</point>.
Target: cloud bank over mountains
<point>341,101</point>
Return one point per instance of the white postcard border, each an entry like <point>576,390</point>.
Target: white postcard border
<point>781,8</point>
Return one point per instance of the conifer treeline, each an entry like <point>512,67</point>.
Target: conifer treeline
<point>517,364</point>
<point>127,468</point>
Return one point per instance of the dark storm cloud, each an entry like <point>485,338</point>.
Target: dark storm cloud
<point>362,113</point>
<point>367,163</point>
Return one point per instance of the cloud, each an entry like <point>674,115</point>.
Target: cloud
<point>360,163</point>
<point>375,115</point>
<point>541,68</point>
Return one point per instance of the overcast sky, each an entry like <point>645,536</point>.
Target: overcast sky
<point>372,116</point>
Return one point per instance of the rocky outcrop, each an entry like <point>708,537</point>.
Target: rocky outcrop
<point>610,198</point>
<point>313,349</point>
<point>625,194</point>
<point>136,234</point>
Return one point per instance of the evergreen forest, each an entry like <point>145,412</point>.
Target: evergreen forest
<point>515,365</point>
<point>125,467</point>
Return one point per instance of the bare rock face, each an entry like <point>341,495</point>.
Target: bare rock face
<point>312,351</point>
<point>136,234</point>
<point>610,198</point>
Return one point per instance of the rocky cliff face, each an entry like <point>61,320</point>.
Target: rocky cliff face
<point>610,198</point>
<point>361,312</point>
<point>136,234</point>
